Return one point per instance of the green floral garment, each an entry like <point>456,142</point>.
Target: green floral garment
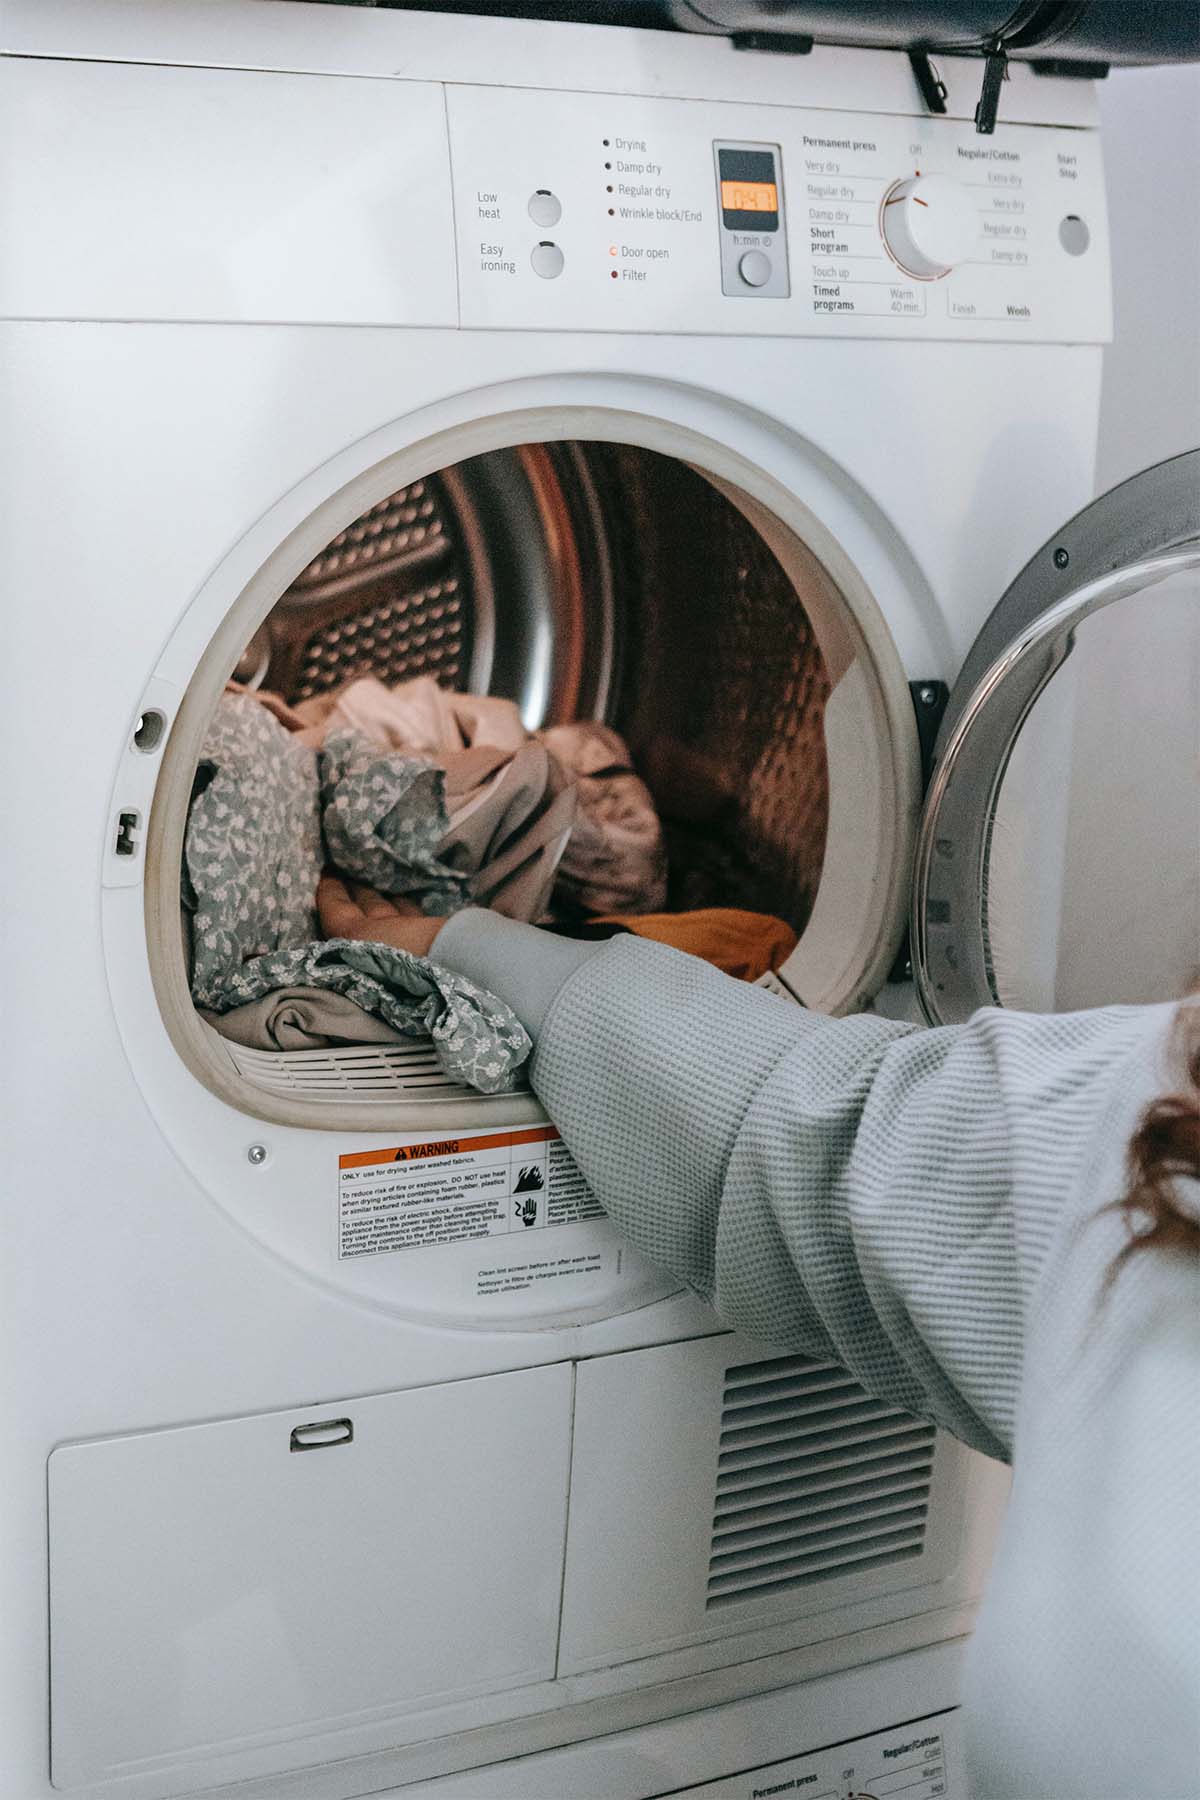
<point>384,815</point>
<point>252,858</point>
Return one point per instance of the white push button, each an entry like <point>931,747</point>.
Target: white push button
<point>547,260</point>
<point>755,268</point>
<point>545,208</point>
<point>1074,235</point>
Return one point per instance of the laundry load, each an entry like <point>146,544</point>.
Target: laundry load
<point>444,800</point>
<point>612,858</point>
<point>253,854</point>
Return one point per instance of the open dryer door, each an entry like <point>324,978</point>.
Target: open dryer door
<point>1138,543</point>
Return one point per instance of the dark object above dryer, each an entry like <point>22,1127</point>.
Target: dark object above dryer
<point>1060,33</point>
<point>1063,32</point>
<point>1056,37</point>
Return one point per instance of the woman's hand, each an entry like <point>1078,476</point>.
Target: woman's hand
<point>359,912</point>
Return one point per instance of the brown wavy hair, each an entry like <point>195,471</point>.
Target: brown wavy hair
<point>1164,1150</point>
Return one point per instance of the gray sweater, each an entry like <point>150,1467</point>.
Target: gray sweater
<point>927,1206</point>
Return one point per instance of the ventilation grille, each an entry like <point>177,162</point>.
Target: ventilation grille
<point>815,1479</point>
<point>389,1071</point>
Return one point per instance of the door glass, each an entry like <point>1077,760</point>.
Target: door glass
<point>1093,864</point>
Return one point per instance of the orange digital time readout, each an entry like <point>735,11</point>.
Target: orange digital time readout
<point>749,196</point>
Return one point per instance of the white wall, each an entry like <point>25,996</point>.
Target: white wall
<point>1131,905</point>
<point>1150,120</point>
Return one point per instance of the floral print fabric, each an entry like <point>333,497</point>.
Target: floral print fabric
<point>252,858</point>
<point>384,815</point>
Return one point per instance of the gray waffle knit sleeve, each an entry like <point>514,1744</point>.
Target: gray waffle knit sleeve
<point>505,957</point>
<point>877,1193</point>
<point>873,1192</point>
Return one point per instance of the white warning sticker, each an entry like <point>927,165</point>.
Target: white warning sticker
<point>458,1191</point>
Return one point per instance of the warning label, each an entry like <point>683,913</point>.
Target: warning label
<point>459,1190</point>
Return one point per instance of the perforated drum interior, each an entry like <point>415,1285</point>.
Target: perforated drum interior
<point>590,580</point>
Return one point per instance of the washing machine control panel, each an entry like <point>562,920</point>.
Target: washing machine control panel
<point>615,213</point>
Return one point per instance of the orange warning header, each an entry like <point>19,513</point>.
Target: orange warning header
<point>374,1159</point>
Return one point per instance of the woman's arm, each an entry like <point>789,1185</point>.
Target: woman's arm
<point>853,1188</point>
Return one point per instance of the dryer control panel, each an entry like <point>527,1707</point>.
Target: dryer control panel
<point>598,213</point>
<point>921,1761</point>
<point>518,208</point>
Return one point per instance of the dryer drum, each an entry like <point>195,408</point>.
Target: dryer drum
<point>588,580</point>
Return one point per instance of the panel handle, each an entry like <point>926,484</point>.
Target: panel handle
<point>322,1434</point>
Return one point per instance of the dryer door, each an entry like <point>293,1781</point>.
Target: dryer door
<point>1061,830</point>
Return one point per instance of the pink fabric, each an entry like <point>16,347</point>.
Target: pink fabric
<point>615,860</point>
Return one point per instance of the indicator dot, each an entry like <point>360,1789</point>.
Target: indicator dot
<point>608,165</point>
<point>611,211</point>
<point>614,274</point>
<point>608,189</point>
<point>606,143</point>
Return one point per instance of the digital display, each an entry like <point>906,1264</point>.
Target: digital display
<point>749,189</point>
<point>749,196</point>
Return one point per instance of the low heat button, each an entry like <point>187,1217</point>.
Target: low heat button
<point>755,268</point>
<point>545,208</point>
<point>547,260</point>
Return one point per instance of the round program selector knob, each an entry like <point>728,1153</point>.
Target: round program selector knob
<point>929,224</point>
<point>755,268</point>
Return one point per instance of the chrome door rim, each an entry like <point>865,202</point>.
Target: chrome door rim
<point>952,964</point>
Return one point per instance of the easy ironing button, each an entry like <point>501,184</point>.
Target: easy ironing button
<point>755,268</point>
<point>547,260</point>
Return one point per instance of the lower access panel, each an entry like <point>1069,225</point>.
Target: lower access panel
<point>220,1586</point>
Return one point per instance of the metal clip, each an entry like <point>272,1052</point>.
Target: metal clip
<point>934,91</point>
<point>995,71</point>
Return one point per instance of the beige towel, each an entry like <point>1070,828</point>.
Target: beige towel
<point>301,1018</point>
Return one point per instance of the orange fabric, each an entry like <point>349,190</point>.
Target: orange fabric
<point>744,944</point>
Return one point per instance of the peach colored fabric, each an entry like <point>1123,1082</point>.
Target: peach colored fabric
<point>744,944</point>
<point>416,716</point>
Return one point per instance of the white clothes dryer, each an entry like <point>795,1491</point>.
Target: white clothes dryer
<point>625,376</point>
